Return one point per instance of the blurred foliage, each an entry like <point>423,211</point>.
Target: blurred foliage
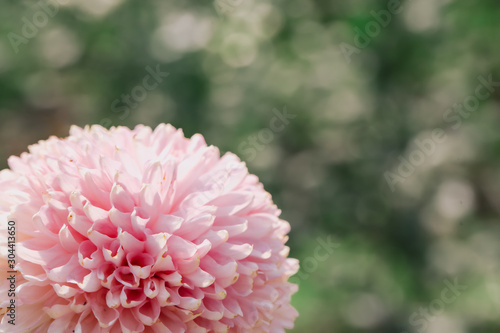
<point>232,62</point>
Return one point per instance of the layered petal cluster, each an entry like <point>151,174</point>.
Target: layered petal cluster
<point>142,231</point>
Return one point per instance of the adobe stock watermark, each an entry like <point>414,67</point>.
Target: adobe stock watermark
<point>31,25</point>
<point>217,183</point>
<point>137,94</point>
<point>381,19</point>
<point>453,118</point>
<point>257,142</point>
<point>10,310</point>
<point>249,148</point>
<point>420,319</point>
<point>325,247</point>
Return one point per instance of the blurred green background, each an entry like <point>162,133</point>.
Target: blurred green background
<point>364,84</point>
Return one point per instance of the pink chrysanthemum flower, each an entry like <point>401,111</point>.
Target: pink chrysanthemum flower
<point>141,231</point>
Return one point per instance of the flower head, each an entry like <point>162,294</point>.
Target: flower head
<point>141,231</point>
